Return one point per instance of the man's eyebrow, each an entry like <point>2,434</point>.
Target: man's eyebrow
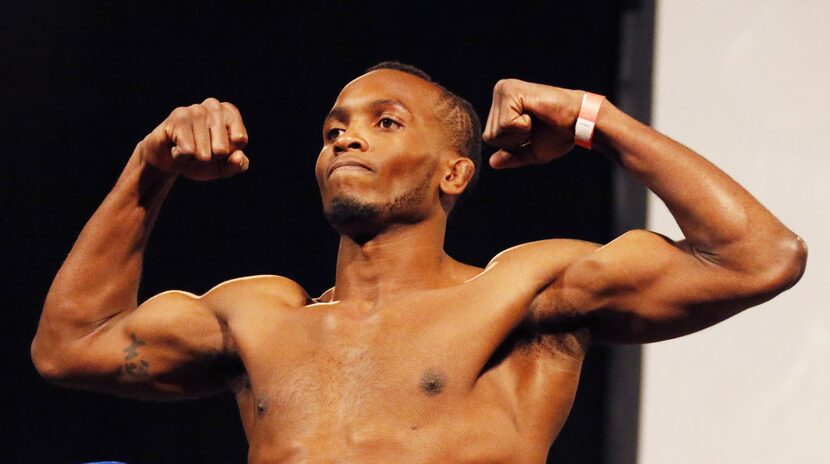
<point>338,112</point>
<point>389,102</point>
<point>341,113</point>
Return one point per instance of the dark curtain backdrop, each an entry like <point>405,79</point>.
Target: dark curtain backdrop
<point>83,82</point>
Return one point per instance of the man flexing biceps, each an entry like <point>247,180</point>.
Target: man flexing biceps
<point>411,355</point>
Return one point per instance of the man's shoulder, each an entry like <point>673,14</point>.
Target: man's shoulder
<point>559,251</point>
<point>272,290</point>
<point>532,263</point>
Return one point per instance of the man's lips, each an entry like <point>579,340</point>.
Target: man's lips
<point>348,164</point>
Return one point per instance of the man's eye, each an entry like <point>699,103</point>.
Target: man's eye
<point>388,123</point>
<point>333,134</point>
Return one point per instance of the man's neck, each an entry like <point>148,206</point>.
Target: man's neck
<point>402,258</point>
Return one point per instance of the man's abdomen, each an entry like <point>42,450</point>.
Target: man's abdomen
<point>483,436</point>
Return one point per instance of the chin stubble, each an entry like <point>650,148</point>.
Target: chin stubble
<point>349,210</point>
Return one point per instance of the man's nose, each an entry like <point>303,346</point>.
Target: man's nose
<point>349,141</point>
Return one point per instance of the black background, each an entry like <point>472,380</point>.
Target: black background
<point>82,83</point>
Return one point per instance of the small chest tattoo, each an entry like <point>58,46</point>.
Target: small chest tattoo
<point>433,382</point>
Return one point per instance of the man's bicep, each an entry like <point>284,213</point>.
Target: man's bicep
<point>643,287</point>
<point>172,346</point>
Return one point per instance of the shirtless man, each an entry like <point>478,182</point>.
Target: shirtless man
<point>411,356</point>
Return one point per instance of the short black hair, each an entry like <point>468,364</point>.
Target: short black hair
<point>457,114</point>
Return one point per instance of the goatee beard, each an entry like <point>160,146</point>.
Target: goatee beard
<point>348,211</point>
<point>352,214</point>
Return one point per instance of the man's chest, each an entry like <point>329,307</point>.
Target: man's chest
<point>332,353</point>
<point>413,362</point>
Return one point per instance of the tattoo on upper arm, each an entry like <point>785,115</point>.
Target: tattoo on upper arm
<point>132,350</point>
<point>138,368</point>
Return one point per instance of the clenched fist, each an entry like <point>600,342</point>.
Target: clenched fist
<point>530,123</point>
<point>201,142</point>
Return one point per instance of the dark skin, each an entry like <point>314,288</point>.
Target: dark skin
<point>411,354</point>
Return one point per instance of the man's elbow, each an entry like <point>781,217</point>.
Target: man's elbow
<point>48,363</point>
<point>799,253</point>
<point>787,266</point>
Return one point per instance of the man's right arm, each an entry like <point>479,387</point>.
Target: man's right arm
<point>92,332</point>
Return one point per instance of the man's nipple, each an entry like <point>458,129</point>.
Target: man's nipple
<point>433,382</point>
<point>261,404</point>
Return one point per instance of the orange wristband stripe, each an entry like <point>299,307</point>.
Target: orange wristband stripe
<point>587,120</point>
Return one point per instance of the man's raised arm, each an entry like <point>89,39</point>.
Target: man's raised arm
<point>92,333</point>
<point>642,286</point>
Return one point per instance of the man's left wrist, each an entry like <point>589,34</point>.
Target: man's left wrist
<point>587,119</point>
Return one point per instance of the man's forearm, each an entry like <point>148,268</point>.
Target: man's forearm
<point>101,274</point>
<point>99,278</point>
<point>719,218</point>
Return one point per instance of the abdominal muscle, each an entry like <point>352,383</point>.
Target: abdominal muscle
<point>484,436</point>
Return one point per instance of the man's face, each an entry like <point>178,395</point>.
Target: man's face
<point>382,150</point>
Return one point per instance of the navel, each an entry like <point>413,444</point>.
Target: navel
<point>433,382</point>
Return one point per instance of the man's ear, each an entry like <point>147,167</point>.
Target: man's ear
<point>458,174</point>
